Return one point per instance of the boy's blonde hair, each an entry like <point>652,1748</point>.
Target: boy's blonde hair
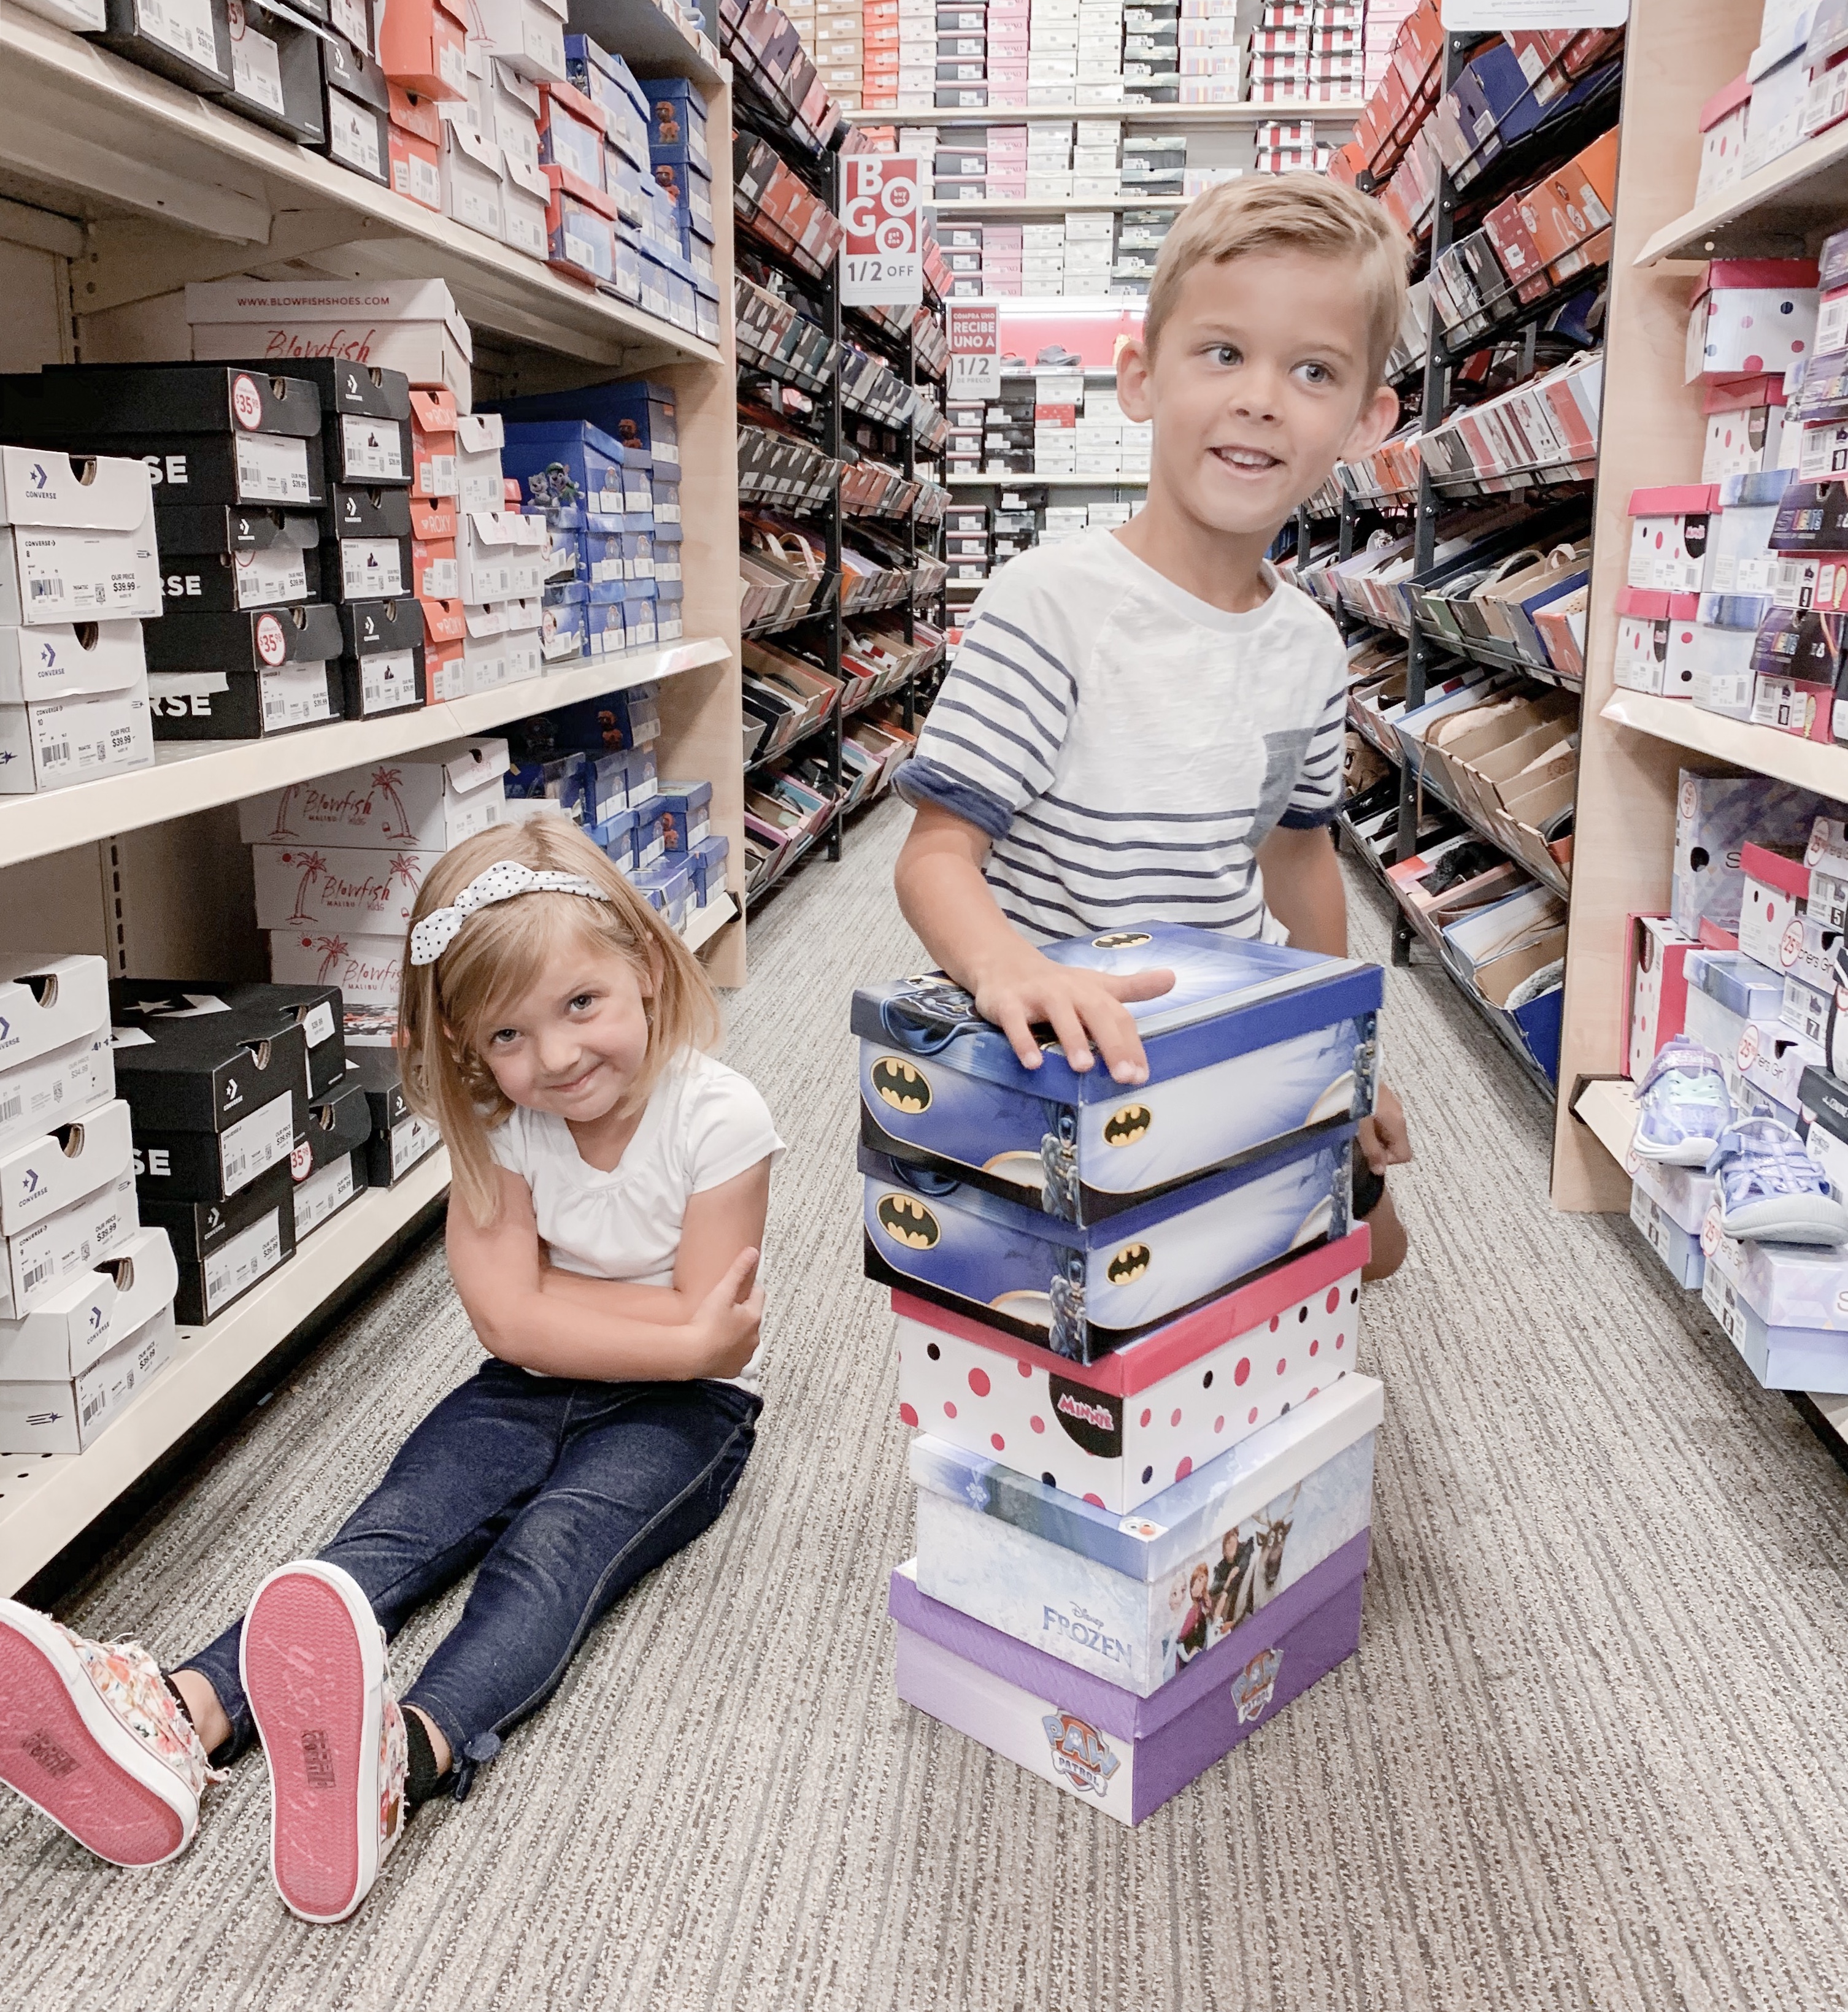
<point>445,1008</point>
<point>1296,212</point>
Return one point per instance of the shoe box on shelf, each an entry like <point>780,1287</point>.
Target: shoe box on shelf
<point>78,574</point>
<point>86,1289</point>
<point>1134,1544</point>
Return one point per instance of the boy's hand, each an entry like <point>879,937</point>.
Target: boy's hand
<point>1384,1142</point>
<point>1083,1007</point>
<point>723,1331</point>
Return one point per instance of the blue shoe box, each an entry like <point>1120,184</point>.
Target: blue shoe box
<point>564,464</point>
<point>707,860</point>
<point>685,812</point>
<point>1256,1045</point>
<point>635,415</point>
<point>614,836</point>
<point>677,121</point>
<point>1669,1205</point>
<point>1783,1306</point>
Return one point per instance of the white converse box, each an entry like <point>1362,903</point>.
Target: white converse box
<point>35,1264</point>
<point>50,1090</point>
<point>41,1176</point>
<point>66,1415</point>
<point>88,1315</point>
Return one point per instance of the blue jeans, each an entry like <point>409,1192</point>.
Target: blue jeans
<point>564,1493</point>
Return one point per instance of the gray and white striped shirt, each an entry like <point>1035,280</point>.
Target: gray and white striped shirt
<point>1126,747</point>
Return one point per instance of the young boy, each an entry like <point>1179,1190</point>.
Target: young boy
<point>1144,725</point>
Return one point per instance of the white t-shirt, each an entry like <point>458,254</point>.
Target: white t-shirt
<point>1127,747</point>
<point>705,1124</point>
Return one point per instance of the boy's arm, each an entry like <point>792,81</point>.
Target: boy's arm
<point>1302,887</point>
<point>521,1315</point>
<point>944,897</point>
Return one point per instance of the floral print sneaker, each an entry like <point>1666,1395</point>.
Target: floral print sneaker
<point>315,1672</point>
<point>1684,1103</point>
<point>91,1735</point>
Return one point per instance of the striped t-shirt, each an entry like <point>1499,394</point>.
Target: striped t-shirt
<point>1126,747</point>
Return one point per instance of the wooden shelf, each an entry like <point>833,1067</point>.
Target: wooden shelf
<point>1776,212</point>
<point>100,139</point>
<point>189,776</point>
<point>1608,1107</point>
<point>1813,765</point>
<point>1201,117</point>
<point>703,924</point>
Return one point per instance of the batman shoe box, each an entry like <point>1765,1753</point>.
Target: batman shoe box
<point>1083,1289</point>
<point>224,1248</point>
<point>1135,1599</point>
<point>315,1009</point>
<point>245,677</point>
<point>1146,1415</point>
<point>1254,1045</point>
<point>1668,1205</point>
<point>400,1138</point>
<point>218,1101</point>
<point>1126,1755</point>
<point>66,1416</point>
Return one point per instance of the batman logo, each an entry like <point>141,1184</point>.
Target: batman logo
<point>1121,940</point>
<point>1128,1264</point>
<point>907,1221</point>
<point>901,1084</point>
<point>1127,1126</point>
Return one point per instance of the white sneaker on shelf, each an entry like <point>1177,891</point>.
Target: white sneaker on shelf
<point>315,1670</point>
<point>91,1735</point>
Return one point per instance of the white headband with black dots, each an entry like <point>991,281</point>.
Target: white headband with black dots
<point>504,881</point>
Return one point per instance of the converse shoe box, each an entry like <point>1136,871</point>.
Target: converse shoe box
<point>382,666</point>
<point>1146,1415</point>
<point>433,801</point>
<point>400,1138</point>
<point>1256,1044</point>
<point>191,44</point>
<point>329,1165</point>
<point>366,548</point>
<point>314,1009</point>
<point>221,559</point>
<point>1135,1599</point>
<point>67,1415</point>
<point>76,537</point>
<point>1124,1755</point>
<point>75,1325</point>
<point>224,1248</point>
<point>218,1101</point>
<point>245,675</point>
<point>46,1091</point>
<point>43,1174</point>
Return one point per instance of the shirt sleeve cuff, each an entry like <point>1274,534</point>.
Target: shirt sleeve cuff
<point>1316,819</point>
<point>921,781</point>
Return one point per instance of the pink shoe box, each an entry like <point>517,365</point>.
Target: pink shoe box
<point>1655,642</point>
<point>1723,138</point>
<point>1668,537</point>
<point>1776,899</point>
<point>1751,317</point>
<point>1658,988</point>
<point>1118,1431</point>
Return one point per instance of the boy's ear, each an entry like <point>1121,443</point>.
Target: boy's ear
<point>1378,417</point>
<point>1133,369</point>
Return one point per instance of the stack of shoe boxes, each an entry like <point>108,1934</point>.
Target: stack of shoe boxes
<point>78,574</point>
<point>959,168</point>
<point>1016,527</point>
<point>1098,155</point>
<point>1140,234</point>
<point>1090,241</point>
<point>1058,398</point>
<point>1155,164</point>
<point>1208,54</point>
<point>960,244</point>
<point>957,48</point>
<point>967,541</point>
<point>1303,53</point>
<point>680,160</point>
<point>1052,53</point>
<point>1128,1329</point>
<point>86,1292</point>
<point>1009,429</point>
<point>1048,163</point>
<point>963,449</point>
<point>1284,145</point>
<point>1041,259</point>
<point>1378,31</point>
<point>1009,53</point>
<point>1100,57</point>
<point>1003,259</point>
<point>1063,521</point>
<point>1151,53</point>
<point>836,40</point>
<point>251,643</point>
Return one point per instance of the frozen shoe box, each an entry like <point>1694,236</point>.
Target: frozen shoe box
<point>65,1415</point>
<point>1126,1755</point>
<point>1134,1598</point>
<point>1256,1044</point>
<point>1669,1205</point>
<point>1143,1416</point>
<point>1783,1306</point>
<point>1085,1289</point>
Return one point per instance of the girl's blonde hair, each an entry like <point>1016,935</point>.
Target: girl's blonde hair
<point>445,1008</point>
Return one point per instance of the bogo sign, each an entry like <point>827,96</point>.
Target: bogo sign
<point>974,333</point>
<point>882,262</point>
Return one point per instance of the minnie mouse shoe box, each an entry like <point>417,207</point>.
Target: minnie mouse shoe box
<point>1137,1599</point>
<point>1146,1416</point>
<point>1124,1755</point>
<point>1254,1045</point>
<point>430,802</point>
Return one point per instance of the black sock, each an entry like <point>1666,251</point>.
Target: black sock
<point>422,1780</point>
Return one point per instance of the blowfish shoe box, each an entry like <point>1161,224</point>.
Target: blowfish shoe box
<point>1669,1205</point>
<point>218,1101</point>
<point>1256,1044</point>
<point>401,1139</point>
<point>244,676</point>
<point>79,1323</point>
<point>338,887</point>
<point>1783,1306</point>
<point>1135,1599</point>
<point>37,1263</point>
<point>1146,1415</point>
<point>1124,1755</point>
<point>77,539</point>
<point>1082,1290</point>
<point>408,325</point>
<point>368,969</point>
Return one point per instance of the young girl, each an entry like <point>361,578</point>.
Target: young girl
<point>610,1181</point>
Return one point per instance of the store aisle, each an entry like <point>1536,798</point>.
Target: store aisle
<point>1586,1756</point>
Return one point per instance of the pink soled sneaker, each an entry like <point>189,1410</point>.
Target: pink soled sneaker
<point>91,1735</point>
<point>315,1672</point>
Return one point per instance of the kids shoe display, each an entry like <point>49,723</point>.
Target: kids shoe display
<point>314,1667</point>
<point>1685,1105</point>
<point>91,1735</point>
<point>1771,1191</point>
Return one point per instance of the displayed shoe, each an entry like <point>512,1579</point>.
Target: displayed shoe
<point>1771,1191</point>
<point>314,1667</point>
<point>1685,1105</point>
<point>91,1735</point>
<point>1056,356</point>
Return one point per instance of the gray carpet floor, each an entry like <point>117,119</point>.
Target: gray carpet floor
<point>1585,1757</point>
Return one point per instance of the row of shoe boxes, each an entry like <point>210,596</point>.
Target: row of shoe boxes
<point>1050,423</point>
<point>1748,963</point>
<point>1144,1460</point>
<point>1090,157</point>
<point>1295,46</point>
<point>1085,254</point>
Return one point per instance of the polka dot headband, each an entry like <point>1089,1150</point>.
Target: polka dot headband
<point>504,881</point>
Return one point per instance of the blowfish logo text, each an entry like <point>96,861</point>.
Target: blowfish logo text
<point>1080,1752</point>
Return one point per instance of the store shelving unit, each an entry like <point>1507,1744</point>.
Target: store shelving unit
<point>996,207</point>
<point>1171,118</point>
<point>964,481</point>
<point>117,188</point>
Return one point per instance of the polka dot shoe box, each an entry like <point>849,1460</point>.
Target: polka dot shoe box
<point>1145,1417</point>
<point>1135,1599</point>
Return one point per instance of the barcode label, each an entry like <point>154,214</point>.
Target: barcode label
<point>256,69</point>
<point>321,1194</point>
<point>272,470</point>
<point>293,695</point>
<point>255,1143</point>
<point>319,1025</point>
<point>388,682</point>
<point>371,447</point>
<point>94,1405</point>
<point>353,134</point>
<point>245,1259</point>
<point>371,568</point>
<point>10,1105</point>
<point>411,1139</point>
<point>265,578</point>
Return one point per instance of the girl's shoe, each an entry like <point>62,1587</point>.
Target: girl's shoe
<point>91,1735</point>
<point>1771,1191</point>
<point>1685,1105</point>
<point>315,1672</point>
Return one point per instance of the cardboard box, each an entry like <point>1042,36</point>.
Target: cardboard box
<point>56,743</point>
<point>1660,1197</point>
<point>1658,988</point>
<point>412,325</point>
<point>67,1415</point>
<point>422,47</point>
<point>41,1176</point>
<point>38,1262</point>
<point>218,1101</point>
<point>338,887</point>
<point>43,1092</point>
<point>74,1325</point>
<point>1751,317</point>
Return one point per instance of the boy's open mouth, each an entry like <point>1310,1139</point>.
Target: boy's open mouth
<point>1250,459</point>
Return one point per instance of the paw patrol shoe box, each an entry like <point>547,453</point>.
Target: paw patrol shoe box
<point>1123,1754</point>
<point>1135,1599</point>
<point>1669,1205</point>
<point>1145,1416</point>
<point>1254,1045</point>
<point>1783,1306</point>
<point>1082,1290</point>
